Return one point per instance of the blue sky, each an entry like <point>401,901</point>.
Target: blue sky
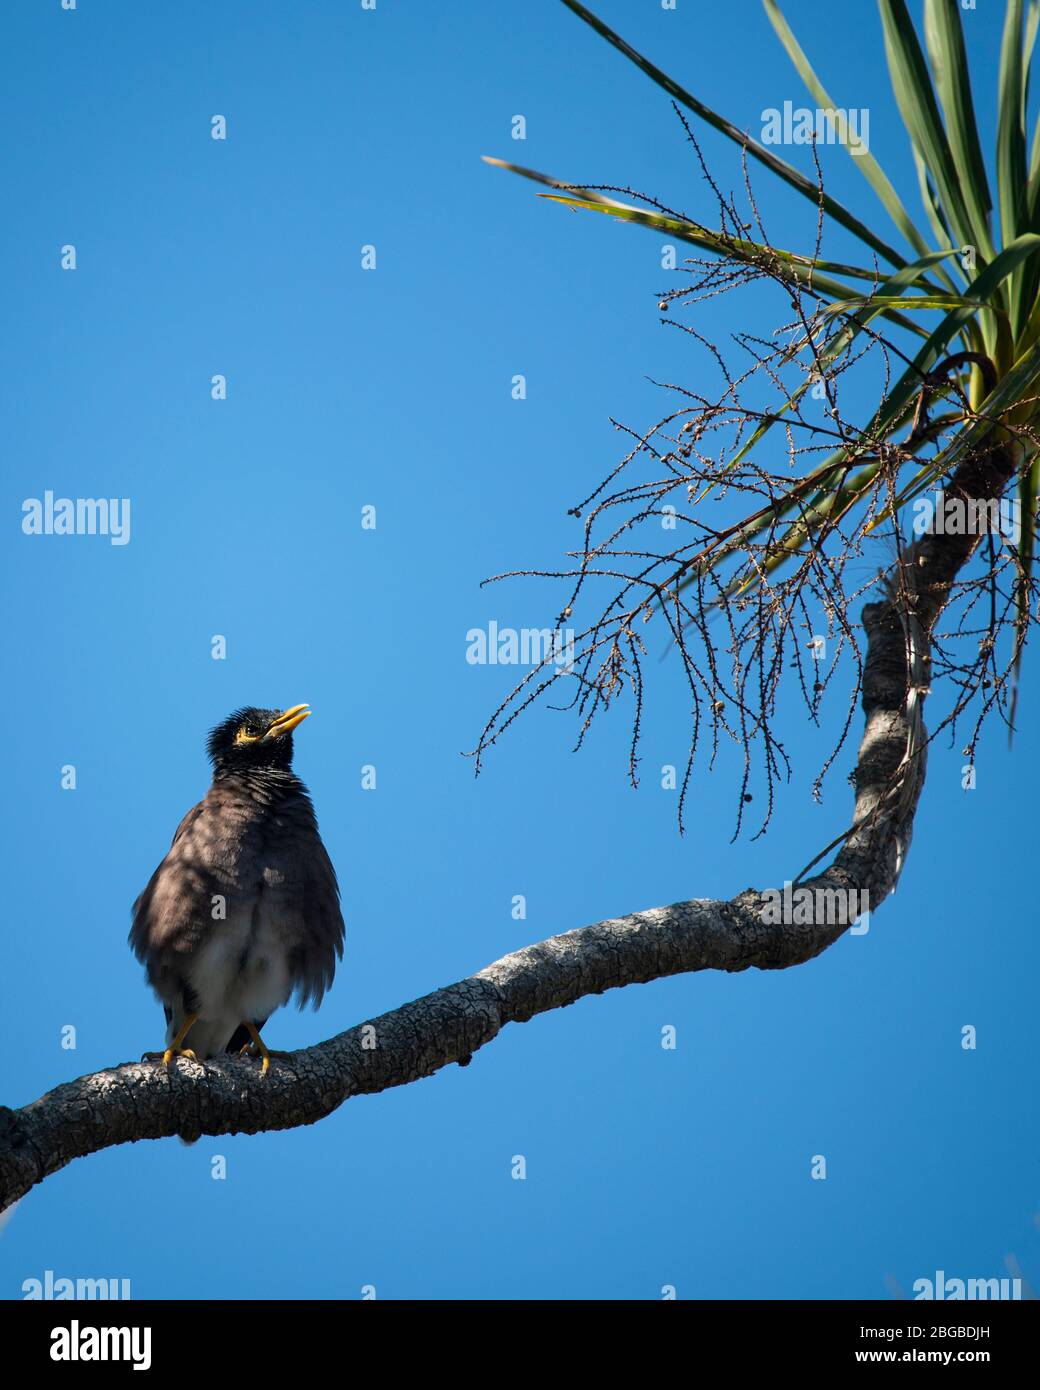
<point>391,388</point>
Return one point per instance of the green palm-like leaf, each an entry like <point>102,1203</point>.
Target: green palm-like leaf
<point>810,273</point>
<point>1012,178</point>
<point>863,159</point>
<point>778,166</point>
<point>915,98</point>
<point>996,314</point>
<point>945,40</point>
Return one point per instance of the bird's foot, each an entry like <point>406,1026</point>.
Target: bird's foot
<point>167,1057</point>
<point>258,1048</point>
<point>176,1047</point>
<point>251,1050</point>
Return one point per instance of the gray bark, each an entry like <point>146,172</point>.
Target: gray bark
<point>145,1101</point>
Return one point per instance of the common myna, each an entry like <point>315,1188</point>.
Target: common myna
<point>244,910</point>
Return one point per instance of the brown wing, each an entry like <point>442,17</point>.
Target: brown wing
<point>174,910</point>
<point>300,887</point>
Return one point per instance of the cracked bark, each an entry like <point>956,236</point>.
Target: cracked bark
<point>144,1101</point>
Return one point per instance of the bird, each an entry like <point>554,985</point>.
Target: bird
<point>244,911</point>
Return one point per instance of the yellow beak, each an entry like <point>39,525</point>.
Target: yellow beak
<point>287,721</point>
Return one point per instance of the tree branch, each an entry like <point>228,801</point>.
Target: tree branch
<point>226,1096</point>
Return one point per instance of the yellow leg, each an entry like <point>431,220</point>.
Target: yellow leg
<point>175,1048</point>
<point>261,1048</point>
<point>258,1048</point>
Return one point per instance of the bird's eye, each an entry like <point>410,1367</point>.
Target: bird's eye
<point>244,736</point>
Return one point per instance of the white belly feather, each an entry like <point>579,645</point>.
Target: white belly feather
<point>239,975</point>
